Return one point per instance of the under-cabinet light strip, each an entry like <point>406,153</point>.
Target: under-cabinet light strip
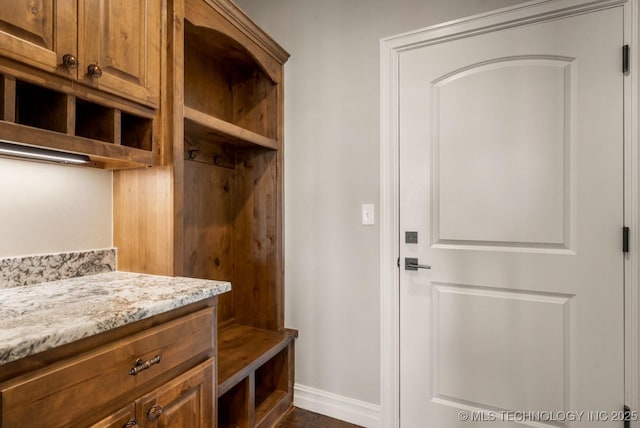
<point>9,148</point>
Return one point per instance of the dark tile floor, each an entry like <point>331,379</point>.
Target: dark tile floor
<point>299,418</point>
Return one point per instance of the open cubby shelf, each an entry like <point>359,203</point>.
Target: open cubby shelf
<point>40,107</point>
<point>57,119</point>
<point>95,122</point>
<point>243,349</point>
<point>255,375</point>
<point>136,131</point>
<point>228,94</point>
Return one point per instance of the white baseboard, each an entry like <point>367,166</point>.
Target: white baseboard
<point>337,406</point>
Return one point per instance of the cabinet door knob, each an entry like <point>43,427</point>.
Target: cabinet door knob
<point>131,424</point>
<point>154,413</point>
<point>70,61</point>
<point>94,71</point>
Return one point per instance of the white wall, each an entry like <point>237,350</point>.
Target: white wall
<point>48,208</point>
<point>331,168</point>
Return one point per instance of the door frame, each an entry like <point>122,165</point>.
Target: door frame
<point>390,49</point>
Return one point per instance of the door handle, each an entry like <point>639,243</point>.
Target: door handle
<point>411,263</point>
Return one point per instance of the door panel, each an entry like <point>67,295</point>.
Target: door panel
<point>498,178</point>
<point>511,172</point>
<point>123,38</point>
<point>472,326</point>
<point>39,32</point>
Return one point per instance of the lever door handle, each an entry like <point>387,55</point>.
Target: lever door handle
<point>411,263</point>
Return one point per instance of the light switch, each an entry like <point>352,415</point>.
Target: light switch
<point>368,216</point>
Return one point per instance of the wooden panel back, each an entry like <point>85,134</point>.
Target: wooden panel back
<point>209,86</point>
<point>255,103</point>
<point>208,227</point>
<point>257,233</point>
<point>143,220</point>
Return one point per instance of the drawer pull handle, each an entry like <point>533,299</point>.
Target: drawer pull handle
<point>131,424</point>
<point>141,365</point>
<point>154,413</point>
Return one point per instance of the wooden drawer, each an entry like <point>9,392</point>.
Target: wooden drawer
<point>79,387</point>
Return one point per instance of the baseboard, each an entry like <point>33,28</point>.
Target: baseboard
<point>337,406</point>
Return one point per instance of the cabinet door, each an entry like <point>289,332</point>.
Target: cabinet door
<point>122,38</point>
<point>118,419</point>
<point>39,32</point>
<point>186,401</point>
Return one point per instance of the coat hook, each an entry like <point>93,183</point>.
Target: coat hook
<point>192,153</point>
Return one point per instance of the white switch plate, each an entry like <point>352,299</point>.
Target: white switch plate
<point>368,214</point>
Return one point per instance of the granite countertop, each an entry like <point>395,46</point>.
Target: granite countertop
<point>39,317</point>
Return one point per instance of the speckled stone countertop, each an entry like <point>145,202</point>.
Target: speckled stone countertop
<point>42,316</point>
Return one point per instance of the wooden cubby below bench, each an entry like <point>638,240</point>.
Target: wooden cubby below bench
<point>255,375</point>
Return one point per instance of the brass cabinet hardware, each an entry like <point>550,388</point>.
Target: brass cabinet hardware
<point>131,424</point>
<point>94,71</point>
<point>154,413</point>
<point>142,365</point>
<point>70,61</point>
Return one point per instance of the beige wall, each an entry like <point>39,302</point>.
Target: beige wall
<point>332,167</point>
<point>53,208</point>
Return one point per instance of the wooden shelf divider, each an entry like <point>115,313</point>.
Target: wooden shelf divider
<point>205,127</point>
<point>8,106</point>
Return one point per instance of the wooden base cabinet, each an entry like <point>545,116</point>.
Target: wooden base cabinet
<point>154,373</point>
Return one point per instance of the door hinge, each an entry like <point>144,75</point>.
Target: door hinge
<point>625,239</point>
<point>625,59</point>
<point>398,261</point>
<point>626,417</point>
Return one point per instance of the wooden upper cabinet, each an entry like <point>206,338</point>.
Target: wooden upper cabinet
<point>122,38</point>
<point>39,32</point>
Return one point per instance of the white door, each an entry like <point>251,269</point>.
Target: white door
<point>511,173</point>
